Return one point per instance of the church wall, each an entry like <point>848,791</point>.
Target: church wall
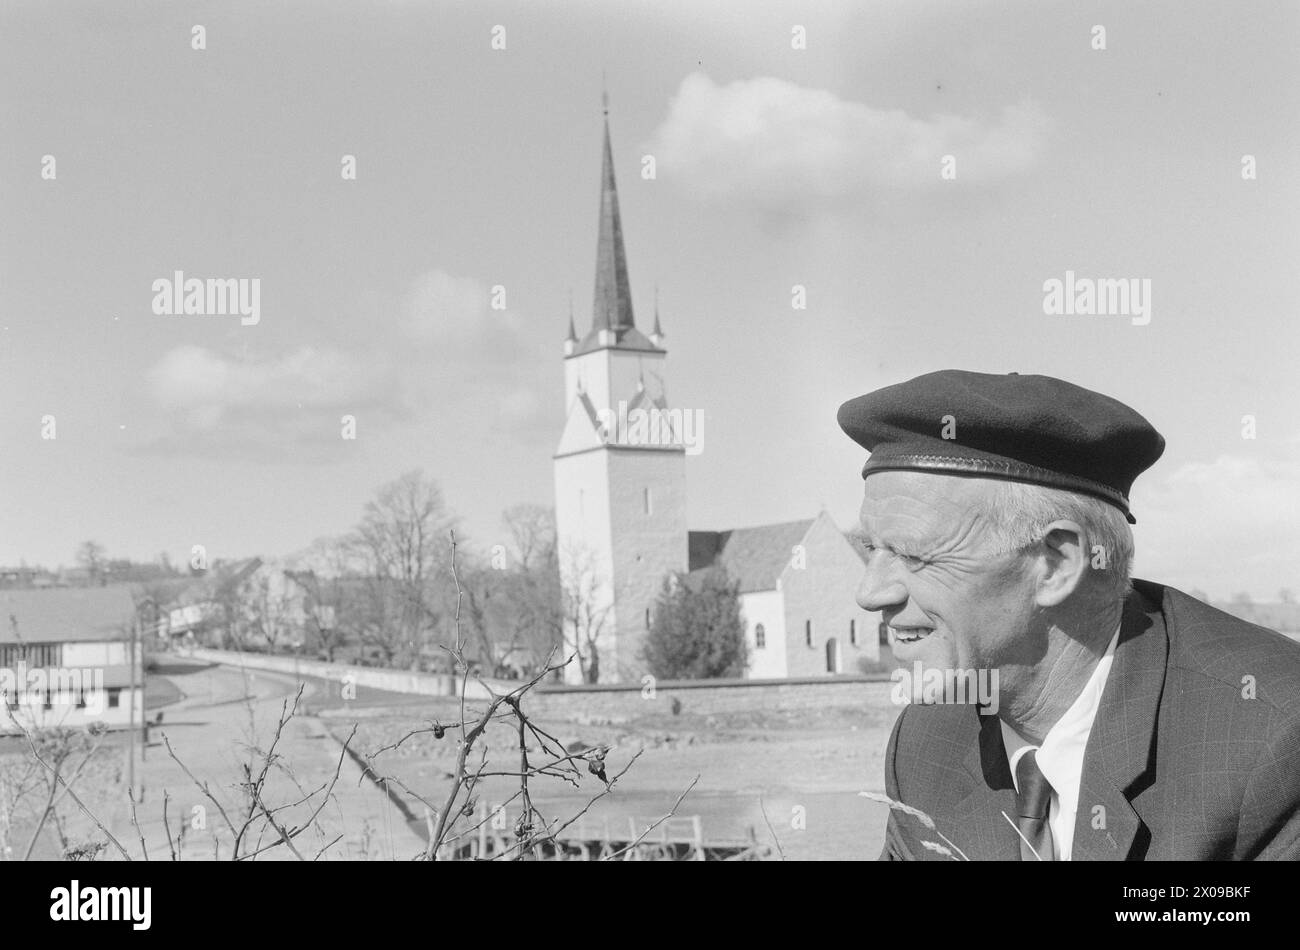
<point>646,546</point>
<point>610,375</point>
<point>823,591</point>
<point>583,536</point>
<point>766,607</point>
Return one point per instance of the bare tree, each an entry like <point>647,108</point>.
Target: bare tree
<point>586,608</point>
<point>93,557</point>
<point>529,608</point>
<point>266,616</point>
<point>532,530</point>
<point>399,545</point>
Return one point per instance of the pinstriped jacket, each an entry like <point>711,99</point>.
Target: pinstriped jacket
<point>1194,754</point>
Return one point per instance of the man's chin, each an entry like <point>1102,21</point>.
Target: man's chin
<point>931,651</point>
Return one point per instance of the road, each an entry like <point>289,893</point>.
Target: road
<point>224,714</point>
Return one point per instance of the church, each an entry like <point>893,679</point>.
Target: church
<point>620,509</point>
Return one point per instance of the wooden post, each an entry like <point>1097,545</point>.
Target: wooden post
<point>130,707</point>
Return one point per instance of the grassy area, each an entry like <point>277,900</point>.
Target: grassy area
<point>160,691</point>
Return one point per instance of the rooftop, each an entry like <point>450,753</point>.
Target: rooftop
<point>754,557</point>
<point>66,614</point>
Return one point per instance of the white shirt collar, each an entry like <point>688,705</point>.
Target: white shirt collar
<point>1060,757</point>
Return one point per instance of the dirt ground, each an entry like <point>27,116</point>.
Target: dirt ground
<point>786,778</point>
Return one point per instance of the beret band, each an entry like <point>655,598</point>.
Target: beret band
<point>1003,469</point>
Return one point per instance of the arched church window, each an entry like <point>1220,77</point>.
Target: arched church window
<point>760,637</point>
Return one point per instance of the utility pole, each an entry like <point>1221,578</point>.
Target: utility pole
<point>130,709</point>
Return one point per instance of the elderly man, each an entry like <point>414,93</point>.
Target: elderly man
<point>1132,722</point>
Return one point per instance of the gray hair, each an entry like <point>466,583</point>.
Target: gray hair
<point>1019,514</point>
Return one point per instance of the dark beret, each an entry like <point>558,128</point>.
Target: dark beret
<point>1034,429</point>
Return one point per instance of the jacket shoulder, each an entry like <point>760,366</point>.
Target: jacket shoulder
<point>1215,649</point>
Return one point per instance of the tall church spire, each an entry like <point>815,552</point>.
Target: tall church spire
<point>612,309</point>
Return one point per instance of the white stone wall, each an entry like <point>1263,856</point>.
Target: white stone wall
<point>64,711</point>
<point>602,527</point>
<point>647,547</point>
<point>583,539</point>
<point>610,375</point>
<point>95,654</point>
<point>340,674</point>
<point>824,591</point>
<point>768,608</point>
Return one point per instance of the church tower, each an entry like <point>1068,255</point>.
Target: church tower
<point>620,497</point>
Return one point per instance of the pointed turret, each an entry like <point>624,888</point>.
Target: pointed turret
<point>571,341</point>
<point>657,334</point>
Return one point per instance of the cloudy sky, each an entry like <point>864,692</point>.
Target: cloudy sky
<point>775,166</point>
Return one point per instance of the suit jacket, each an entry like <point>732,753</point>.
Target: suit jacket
<point>1194,753</point>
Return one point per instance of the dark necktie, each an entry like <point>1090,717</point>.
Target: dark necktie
<point>1033,796</point>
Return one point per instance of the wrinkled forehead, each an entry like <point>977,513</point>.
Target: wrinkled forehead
<point>923,505</point>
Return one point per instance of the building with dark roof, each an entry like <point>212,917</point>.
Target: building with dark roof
<point>797,581</point>
<point>66,657</point>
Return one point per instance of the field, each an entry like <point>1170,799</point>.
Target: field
<point>786,776</point>
<point>777,767</point>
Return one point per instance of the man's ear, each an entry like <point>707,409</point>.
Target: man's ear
<point>1063,563</point>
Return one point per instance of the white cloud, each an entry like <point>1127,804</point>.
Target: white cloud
<point>206,385</point>
<point>225,406</point>
<point>451,317</point>
<point>790,149</point>
<point>445,351</point>
<point>1224,526</point>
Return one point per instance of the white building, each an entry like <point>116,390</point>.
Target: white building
<point>797,583</point>
<point>66,659</point>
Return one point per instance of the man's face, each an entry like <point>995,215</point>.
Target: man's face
<point>950,600</point>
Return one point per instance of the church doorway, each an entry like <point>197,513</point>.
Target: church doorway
<point>833,655</point>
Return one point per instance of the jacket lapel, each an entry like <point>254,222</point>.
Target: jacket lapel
<point>1121,745</point>
<point>978,815</point>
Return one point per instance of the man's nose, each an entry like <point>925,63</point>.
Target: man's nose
<point>879,590</point>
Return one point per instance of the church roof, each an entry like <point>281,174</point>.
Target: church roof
<point>754,557</point>
<point>612,306</point>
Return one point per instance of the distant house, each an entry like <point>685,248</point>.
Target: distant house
<point>797,582</point>
<point>65,657</point>
<point>198,611</point>
<point>248,604</point>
